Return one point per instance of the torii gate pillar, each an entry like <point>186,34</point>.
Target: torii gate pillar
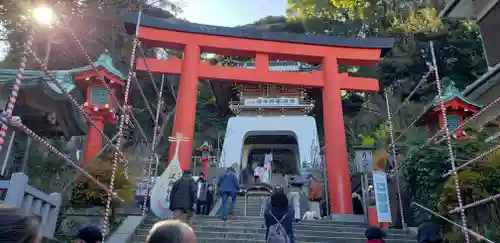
<point>185,110</point>
<point>339,181</point>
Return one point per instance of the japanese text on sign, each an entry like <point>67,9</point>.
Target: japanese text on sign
<point>282,101</point>
<point>382,196</point>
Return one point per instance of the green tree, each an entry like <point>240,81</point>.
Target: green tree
<point>86,192</point>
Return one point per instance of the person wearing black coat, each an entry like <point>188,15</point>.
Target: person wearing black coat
<point>183,197</point>
<point>210,200</point>
<point>429,233</point>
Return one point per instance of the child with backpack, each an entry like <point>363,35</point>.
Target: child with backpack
<point>279,220</point>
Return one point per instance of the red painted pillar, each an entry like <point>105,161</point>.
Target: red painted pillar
<point>185,111</point>
<point>339,181</point>
<point>93,142</point>
<point>205,167</point>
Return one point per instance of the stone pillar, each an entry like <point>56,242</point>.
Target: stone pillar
<point>337,160</point>
<point>53,214</point>
<point>16,190</point>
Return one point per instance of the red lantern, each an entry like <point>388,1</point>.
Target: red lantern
<point>206,151</point>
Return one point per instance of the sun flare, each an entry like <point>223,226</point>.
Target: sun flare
<point>43,15</point>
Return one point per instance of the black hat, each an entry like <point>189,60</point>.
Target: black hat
<point>89,234</point>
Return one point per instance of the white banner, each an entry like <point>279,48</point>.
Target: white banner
<point>364,160</point>
<point>282,101</point>
<point>382,196</point>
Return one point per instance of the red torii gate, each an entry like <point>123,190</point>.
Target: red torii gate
<point>328,51</point>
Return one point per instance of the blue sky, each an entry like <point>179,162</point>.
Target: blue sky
<point>230,13</point>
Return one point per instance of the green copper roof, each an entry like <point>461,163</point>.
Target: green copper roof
<point>451,92</point>
<point>104,61</point>
<point>33,77</point>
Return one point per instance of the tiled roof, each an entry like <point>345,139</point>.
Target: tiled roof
<point>34,77</point>
<point>451,92</point>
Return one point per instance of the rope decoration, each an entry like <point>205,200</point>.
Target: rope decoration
<point>15,122</point>
<point>159,105</point>
<point>407,99</point>
<point>147,67</point>
<point>470,119</point>
<point>72,99</point>
<point>120,128</point>
<point>472,232</point>
<point>17,84</point>
<point>449,143</point>
<point>110,92</point>
<point>471,161</point>
<point>447,136</point>
<point>394,156</point>
<point>91,63</point>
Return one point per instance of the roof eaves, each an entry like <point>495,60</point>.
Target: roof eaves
<point>448,8</point>
<point>484,79</point>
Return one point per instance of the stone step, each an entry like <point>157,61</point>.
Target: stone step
<point>336,232</point>
<point>300,237</point>
<point>249,220</point>
<point>299,227</point>
<point>250,229</point>
<point>258,225</point>
<point>331,240</point>
<point>250,238</point>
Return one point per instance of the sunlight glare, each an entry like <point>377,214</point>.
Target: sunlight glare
<point>43,15</point>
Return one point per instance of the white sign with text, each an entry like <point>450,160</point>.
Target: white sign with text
<point>382,196</point>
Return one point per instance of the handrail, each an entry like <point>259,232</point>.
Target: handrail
<point>473,233</point>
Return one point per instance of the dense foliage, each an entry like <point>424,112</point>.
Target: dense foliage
<point>412,24</point>
<point>460,59</point>
<point>86,192</point>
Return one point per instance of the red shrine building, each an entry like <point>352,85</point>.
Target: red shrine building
<point>327,82</point>
<point>458,108</point>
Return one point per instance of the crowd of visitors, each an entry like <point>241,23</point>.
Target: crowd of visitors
<point>189,195</point>
<point>17,226</point>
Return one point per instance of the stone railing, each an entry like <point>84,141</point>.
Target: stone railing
<point>45,206</point>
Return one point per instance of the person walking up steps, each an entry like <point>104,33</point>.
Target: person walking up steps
<point>229,187</point>
<point>294,190</point>
<point>183,197</point>
<point>201,194</point>
<point>279,220</point>
<point>315,194</point>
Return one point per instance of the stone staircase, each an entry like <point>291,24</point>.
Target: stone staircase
<point>240,229</point>
<point>254,204</point>
<point>236,229</point>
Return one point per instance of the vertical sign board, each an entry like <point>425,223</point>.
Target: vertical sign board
<point>382,196</point>
<point>364,159</point>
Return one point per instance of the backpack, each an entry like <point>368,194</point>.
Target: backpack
<point>277,233</point>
